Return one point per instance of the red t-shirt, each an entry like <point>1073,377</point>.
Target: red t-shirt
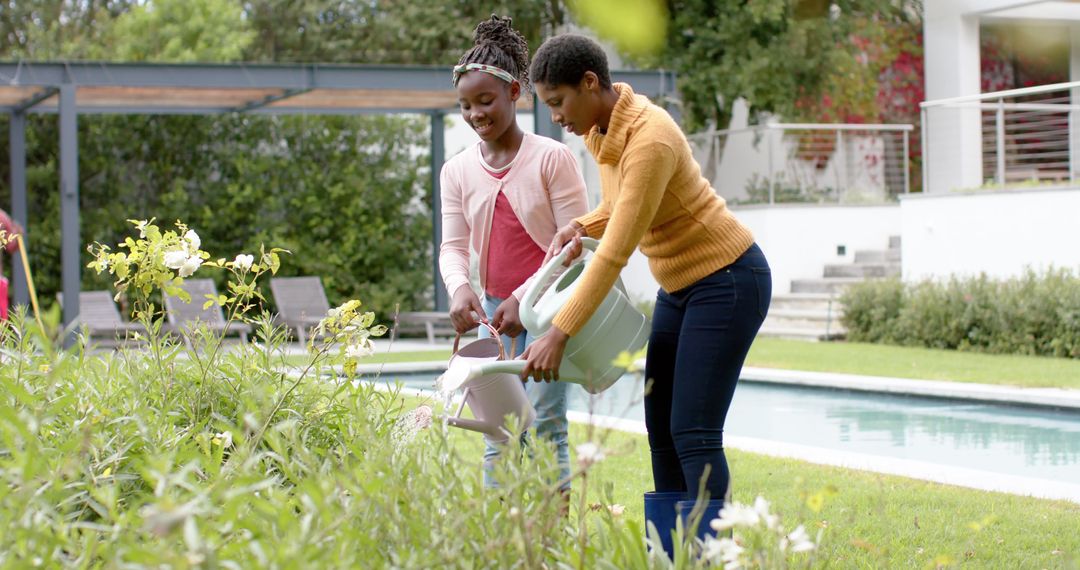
<point>513,256</point>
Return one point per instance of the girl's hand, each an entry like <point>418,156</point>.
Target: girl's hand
<point>544,356</point>
<point>572,232</point>
<point>506,319</point>
<point>462,307</point>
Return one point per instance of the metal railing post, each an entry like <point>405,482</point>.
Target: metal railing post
<point>924,145</point>
<point>906,163</point>
<point>841,159</point>
<point>1001,142</point>
<point>772,169</point>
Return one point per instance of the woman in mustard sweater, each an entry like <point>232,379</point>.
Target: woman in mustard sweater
<point>715,282</point>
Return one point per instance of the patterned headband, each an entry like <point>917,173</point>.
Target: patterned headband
<point>459,70</point>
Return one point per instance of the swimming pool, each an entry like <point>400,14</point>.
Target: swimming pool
<point>1029,442</point>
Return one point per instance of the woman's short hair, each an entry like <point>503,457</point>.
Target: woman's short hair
<point>564,59</point>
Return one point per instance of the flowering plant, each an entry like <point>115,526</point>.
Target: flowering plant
<point>352,329</point>
<point>758,539</point>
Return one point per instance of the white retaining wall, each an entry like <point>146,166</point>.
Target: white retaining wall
<point>800,240</point>
<point>996,232</point>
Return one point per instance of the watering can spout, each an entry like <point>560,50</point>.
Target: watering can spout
<point>475,425</point>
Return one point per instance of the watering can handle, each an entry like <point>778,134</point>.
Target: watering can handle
<point>540,281</point>
<point>498,338</point>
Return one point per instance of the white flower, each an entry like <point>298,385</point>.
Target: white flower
<point>589,453</point>
<point>423,416</point>
<point>761,507</point>
<point>723,550</point>
<point>735,514</point>
<point>616,510</point>
<point>189,266</point>
<point>175,259</point>
<point>243,262</point>
<point>800,541</point>
<point>360,349</point>
<point>193,240</point>
<point>224,438</point>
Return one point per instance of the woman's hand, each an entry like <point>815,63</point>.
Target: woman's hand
<point>572,232</point>
<point>462,307</point>
<point>506,319</point>
<point>544,356</point>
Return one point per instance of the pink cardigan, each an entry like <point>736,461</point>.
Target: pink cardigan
<point>544,186</point>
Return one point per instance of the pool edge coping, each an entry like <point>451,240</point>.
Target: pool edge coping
<point>1057,398</point>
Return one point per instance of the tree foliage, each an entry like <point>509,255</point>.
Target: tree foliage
<point>773,53</point>
<point>179,30</point>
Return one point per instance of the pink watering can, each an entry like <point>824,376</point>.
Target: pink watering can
<point>616,326</point>
<point>492,397</point>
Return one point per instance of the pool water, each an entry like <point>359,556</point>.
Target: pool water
<point>1030,442</point>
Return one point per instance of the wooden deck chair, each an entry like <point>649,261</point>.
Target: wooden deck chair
<point>184,316</point>
<point>301,303</point>
<point>101,318</point>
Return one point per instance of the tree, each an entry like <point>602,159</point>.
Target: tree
<point>387,31</point>
<point>773,53</point>
<point>178,30</point>
<point>56,29</point>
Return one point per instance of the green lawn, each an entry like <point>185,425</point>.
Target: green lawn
<point>878,360</point>
<point>868,520</point>
<point>919,363</point>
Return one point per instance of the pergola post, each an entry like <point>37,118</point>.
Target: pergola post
<point>69,203</point>
<point>17,156</point>
<point>438,156</point>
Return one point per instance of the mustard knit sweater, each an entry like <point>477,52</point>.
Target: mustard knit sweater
<point>652,196</point>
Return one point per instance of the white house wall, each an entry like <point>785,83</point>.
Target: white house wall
<point>999,233</point>
<point>952,66</point>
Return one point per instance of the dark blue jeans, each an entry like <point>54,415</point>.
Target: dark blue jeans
<point>700,337</point>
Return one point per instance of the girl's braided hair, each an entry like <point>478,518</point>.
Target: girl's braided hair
<point>498,43</point>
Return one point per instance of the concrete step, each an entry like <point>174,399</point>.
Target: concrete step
<point>877,255</point>
<point>777,331</point>
<point>789,319</point>
<point>808,315</point>
<point>826,285</point>
<point>804,301</point>
<point>862,270</point>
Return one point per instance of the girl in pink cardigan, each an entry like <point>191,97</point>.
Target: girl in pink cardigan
<point>503,199</point>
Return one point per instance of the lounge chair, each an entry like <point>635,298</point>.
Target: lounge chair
<point>183,317</point>
<point>301,303</point>
<point>433,324</point>
<point>101,318</point>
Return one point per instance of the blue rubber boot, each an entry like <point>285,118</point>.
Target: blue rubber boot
<point>660,511</point>
<point>712,511</point>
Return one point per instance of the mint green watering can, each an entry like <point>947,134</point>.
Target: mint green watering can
<point>616,326</point>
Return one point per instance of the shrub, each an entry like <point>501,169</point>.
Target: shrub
<point>871,309</point>
<point>1034,314</point>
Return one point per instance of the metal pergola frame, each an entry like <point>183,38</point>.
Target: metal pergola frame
<point>72,89</point>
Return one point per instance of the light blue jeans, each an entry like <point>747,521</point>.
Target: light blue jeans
<point>547,398</point>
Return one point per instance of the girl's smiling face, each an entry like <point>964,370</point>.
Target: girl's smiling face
<point>487,103</point>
